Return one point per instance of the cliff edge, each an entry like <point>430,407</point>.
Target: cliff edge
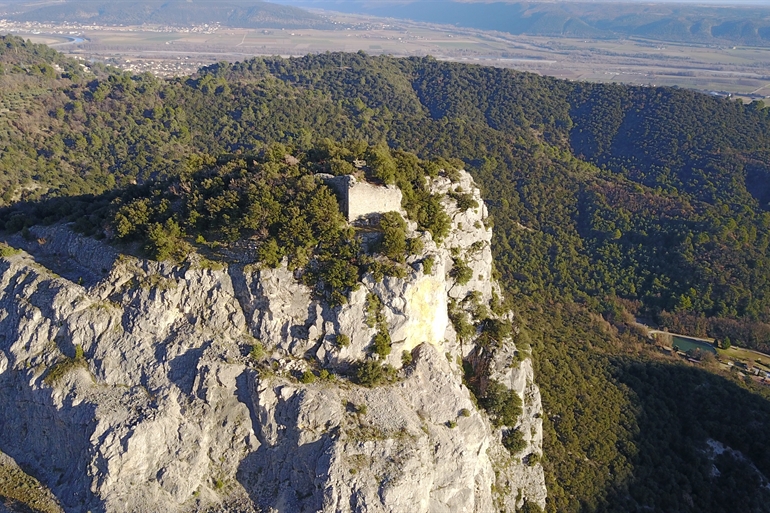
<point>135,385</point>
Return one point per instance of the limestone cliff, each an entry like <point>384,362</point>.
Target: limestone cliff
<point>132,385</point>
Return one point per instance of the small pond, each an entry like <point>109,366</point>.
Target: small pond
<point>685,344</point>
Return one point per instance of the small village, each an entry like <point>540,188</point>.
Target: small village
<point>74,29</point>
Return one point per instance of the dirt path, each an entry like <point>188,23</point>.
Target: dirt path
<point>701,339</point>
<point>653,331</point>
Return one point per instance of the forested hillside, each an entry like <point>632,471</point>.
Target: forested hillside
<point>608,202</point>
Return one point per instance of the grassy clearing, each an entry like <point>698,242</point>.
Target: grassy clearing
<point>8,251</point>
<point>65,366</point>
<point>745,355</point>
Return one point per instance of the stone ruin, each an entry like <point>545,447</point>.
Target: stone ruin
<point>359,199</point>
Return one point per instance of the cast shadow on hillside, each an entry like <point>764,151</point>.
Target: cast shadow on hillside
<point>54,452</point>
<point>682,415</point>
<point>75,253</point>
<point>282,473</point>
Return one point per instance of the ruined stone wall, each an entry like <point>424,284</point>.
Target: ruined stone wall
<point>358,199</point>
<point>365,198</point>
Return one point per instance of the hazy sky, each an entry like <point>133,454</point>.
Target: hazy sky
<point>756,3</point>
<point>702,2</point>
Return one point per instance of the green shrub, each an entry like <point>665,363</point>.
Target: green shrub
<point>477,246</point>
<point>371,373</point>
<point>381,343</point>
<point>257,351</point>
<point>533,459</point>
<point>494,331</point>
<point>270,254</point>
<point>393,229</point>
<point>65,366</point>
<point>464,329</point>
<point>415,246</point>
<point>212,265</point>
<point>380,269</point>
<point>496,304</point>
<point>341,167</point>
<point>461,272</point>
<point>381,164</point>
<point>464,201</point>
<point>406,358</point>
<point>8,251</point>
<point>453,174</point>
<point>465,412</point>
<point>427,264</point>
<point>307,377</point>
<point>430,215</point>
<point>342,340</point>
<point>513,440</point>
<point>473,297</point>
<point>164,242</point>
<point>373,312</point>
<point>530,507</point>
<point>480,312</point>
<point>502,405</point>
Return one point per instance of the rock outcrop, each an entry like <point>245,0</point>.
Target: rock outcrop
<point>132,385</point>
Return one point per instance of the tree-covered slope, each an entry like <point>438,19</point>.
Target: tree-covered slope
<point>608,201</point>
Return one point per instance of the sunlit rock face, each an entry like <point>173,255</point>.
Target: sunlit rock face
<point>426,309</point>
<point>128,385</point>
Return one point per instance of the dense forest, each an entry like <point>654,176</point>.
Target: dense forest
<point>608,201</point>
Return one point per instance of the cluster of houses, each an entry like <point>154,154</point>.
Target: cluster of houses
<point>750,369</point>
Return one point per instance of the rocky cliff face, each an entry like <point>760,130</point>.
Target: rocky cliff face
<point>131,385</point>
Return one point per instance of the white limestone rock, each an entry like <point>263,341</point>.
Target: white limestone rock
<point>3,362</point>
<point>399,453</point>
<point>167,412</point>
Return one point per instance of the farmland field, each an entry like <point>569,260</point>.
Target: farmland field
<point>746,355</point>
<point>737,70</point>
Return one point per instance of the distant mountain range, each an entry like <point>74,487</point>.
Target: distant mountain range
<point>234,13</point>
<point>668,22</point>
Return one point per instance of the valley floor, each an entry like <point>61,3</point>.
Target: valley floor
<point>173,51</point>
